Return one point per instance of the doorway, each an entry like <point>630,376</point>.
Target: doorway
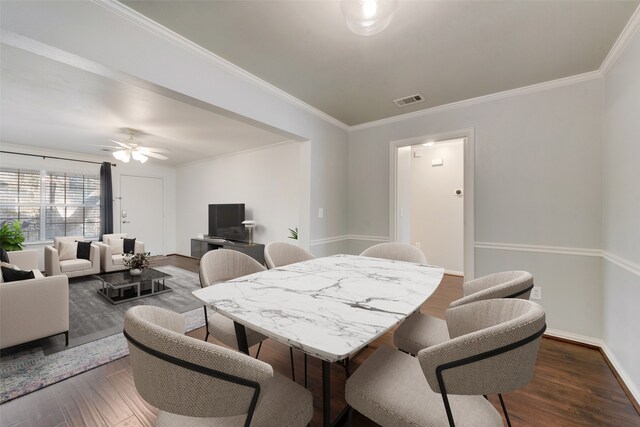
<point>431,200</point>
<point>142,211</point>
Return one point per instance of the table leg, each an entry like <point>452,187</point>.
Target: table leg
<point>241,336</point>
<point>343,417</point>
<point>326,393</point>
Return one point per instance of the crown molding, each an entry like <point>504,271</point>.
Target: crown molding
<point>538,87</point>
<point>623,40</point>
<point>165,33</point>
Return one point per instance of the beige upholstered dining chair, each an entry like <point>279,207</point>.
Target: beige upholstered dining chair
<point>396,251</point>
<point>218,266</point>
<point>420,331</point>
<point>277,254</point>
<point>196,383</point>
<point>492,350</point>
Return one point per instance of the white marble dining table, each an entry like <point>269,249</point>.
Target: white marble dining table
<point>328,307</point>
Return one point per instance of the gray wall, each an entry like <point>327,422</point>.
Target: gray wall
<point>621,213</point>
<point>537,183</point>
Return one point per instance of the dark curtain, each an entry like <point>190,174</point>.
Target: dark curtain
<point>106,200</point>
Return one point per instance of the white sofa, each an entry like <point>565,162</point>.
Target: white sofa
<point>34,308</point>
<point>53,266</point>
<point>113,260</point>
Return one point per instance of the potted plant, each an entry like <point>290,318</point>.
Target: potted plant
<point>11,237</point>
<point>293,233</point>
<point>137,263</point>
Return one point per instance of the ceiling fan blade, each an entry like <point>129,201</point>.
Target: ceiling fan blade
<point>154,150</point>
<point>122,144</point>
<point>156,156</point>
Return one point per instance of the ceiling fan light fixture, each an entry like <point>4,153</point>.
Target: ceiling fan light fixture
<point>137,155</point>
<point>122,155</point>
<point>368,17</point>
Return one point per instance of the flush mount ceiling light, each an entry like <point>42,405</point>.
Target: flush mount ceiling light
<point>368,17</point>
<point>131,148</point>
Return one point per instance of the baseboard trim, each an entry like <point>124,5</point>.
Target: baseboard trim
<point>574,338</point>
<point>597,344</point>
<point>625,382</point>
<point>454,273</point>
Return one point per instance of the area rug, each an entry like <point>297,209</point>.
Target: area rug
<point>28,369</point>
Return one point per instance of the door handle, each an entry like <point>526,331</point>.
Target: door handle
<point>124,221</point>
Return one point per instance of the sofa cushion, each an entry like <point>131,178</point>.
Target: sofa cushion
<point>13,275</point>
<point>67,250</point>
<point>117,245</point>
<point>118,259</point>
<point>74,265</point>
<point>84,250</point>
<point>129,245</point>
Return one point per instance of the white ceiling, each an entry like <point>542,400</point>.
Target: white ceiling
<point>446,50</point>
<point>50,104</point>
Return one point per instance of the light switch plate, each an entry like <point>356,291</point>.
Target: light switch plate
<point>536,293</point>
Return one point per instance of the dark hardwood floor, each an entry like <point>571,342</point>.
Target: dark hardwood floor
<point>572,386</point>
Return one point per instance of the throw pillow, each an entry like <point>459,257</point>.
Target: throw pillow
<point>129,246</point>
<point>4,256</point>
<point>9,265</point>
<point>67,250</point>
<point>116,246</point>
<point>84,250</point>
<point>11,275</point>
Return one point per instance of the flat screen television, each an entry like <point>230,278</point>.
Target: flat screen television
<point>225,222</point>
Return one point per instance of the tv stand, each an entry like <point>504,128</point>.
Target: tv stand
<point>200,246</point>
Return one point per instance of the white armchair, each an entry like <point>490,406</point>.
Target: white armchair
<point>34,308</point>
<point>111,252</point>
<point>54,266</point>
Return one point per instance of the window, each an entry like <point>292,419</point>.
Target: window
<point>50,204</point>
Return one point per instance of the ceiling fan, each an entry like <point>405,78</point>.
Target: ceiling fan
<point>132,148</point>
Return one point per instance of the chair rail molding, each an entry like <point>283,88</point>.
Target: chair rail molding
<point>621,262</point>
<point>539,248</point>
<point>325,240</point>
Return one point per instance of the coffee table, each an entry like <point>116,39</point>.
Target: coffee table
<point>121,286</point>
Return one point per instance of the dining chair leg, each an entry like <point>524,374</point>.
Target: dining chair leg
<point>293,369</point>
<point>259,347</point>
<point>206,323</point>
<point>349,416</point>
<point>305,370</point>
<point>504,409</point>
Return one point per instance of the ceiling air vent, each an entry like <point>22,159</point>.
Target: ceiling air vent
<point>408,100</point>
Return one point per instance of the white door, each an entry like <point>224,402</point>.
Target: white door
<point>142,211</point>
<point>437,205</point>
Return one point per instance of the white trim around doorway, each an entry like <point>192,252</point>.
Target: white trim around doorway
<point>469,201</point>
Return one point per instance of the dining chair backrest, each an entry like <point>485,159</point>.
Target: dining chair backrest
<point>396,251</point>
<point>277,254</point>
<point>505,284</point>
<point>493,348</point>
<point>186,376</point>
<point>224,264</point>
